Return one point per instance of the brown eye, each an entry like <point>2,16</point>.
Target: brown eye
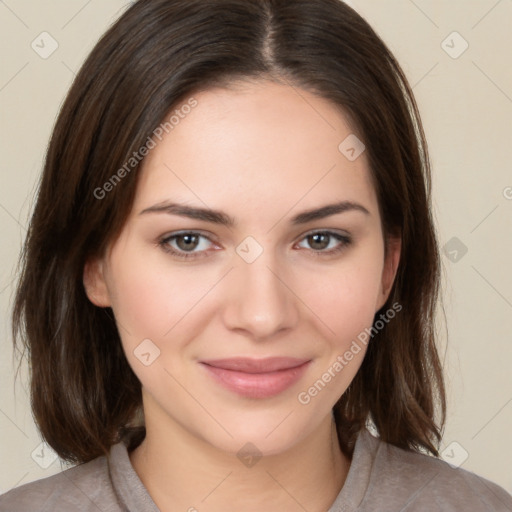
<point>187,242</point>
<point>318,241</point>
<point>186,245</point>
<point>325,242</point>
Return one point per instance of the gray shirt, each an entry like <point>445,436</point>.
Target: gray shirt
<point>381,478</point>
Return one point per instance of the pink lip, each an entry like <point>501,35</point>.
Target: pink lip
<point>257,378</point>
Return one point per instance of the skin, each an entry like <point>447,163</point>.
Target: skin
<point>261,152</point>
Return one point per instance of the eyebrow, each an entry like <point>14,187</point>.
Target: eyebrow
<point>222,218</point>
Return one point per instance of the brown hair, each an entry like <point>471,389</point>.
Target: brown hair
<point>84,395</point>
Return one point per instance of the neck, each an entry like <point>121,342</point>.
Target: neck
<point>184,473</point>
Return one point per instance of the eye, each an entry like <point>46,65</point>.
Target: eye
<point>192,244</point>
<point>326,242</point>
<point>188,244</point>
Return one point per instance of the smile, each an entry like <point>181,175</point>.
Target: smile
<point>256,379</point>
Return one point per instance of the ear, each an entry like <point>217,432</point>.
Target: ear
<point>394,246</point>
<point>95,284</point>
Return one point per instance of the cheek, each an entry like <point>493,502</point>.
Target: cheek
<point>140,299</point>
<point>157,299</point>
<point>343,302</point>
<point>147,298</point>
<point>344,298</point>
<point>153,302</point>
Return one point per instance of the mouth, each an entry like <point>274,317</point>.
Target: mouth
<point>256,378</point>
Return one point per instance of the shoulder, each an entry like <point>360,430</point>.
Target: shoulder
<point>83,488</point>
<point>415,481</point>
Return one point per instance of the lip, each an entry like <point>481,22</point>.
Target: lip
<point>256,378</point>
<point>250,365</point>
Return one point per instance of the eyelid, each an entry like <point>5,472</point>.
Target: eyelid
<point>332,231</point>
<point>344,238</point>
<point>164,243</point>
<point>211,237</point>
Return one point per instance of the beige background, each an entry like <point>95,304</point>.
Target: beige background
<point>466,104</point>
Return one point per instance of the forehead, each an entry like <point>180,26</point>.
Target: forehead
<point>253,146</point>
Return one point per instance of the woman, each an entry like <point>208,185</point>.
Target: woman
<point>231,273</point>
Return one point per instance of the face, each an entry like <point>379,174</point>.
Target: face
<point>247,271</point>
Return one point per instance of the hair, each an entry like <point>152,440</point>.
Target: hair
<point>84,395</point>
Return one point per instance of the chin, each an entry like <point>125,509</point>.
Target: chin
<point>268,434</point>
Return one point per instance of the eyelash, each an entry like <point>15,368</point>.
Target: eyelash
<point>164,244</point>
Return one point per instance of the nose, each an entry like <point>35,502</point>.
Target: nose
<point>261,300</point>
